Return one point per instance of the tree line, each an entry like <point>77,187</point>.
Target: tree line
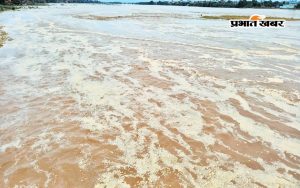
<point>220,3</point>
<point>32,2</point>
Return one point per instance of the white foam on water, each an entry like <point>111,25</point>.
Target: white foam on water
<point>151,86</point>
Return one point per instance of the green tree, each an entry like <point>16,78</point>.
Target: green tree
<point>241,4</point>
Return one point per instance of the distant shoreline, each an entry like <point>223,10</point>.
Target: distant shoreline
<point>260,8</point>
<point>12,7</point>
<point>225,4</point>
<point>6,7</point>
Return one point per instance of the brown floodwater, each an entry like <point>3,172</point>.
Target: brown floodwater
<point>147,96</point>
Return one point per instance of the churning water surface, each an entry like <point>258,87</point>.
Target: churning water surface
<point>148,96</point>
